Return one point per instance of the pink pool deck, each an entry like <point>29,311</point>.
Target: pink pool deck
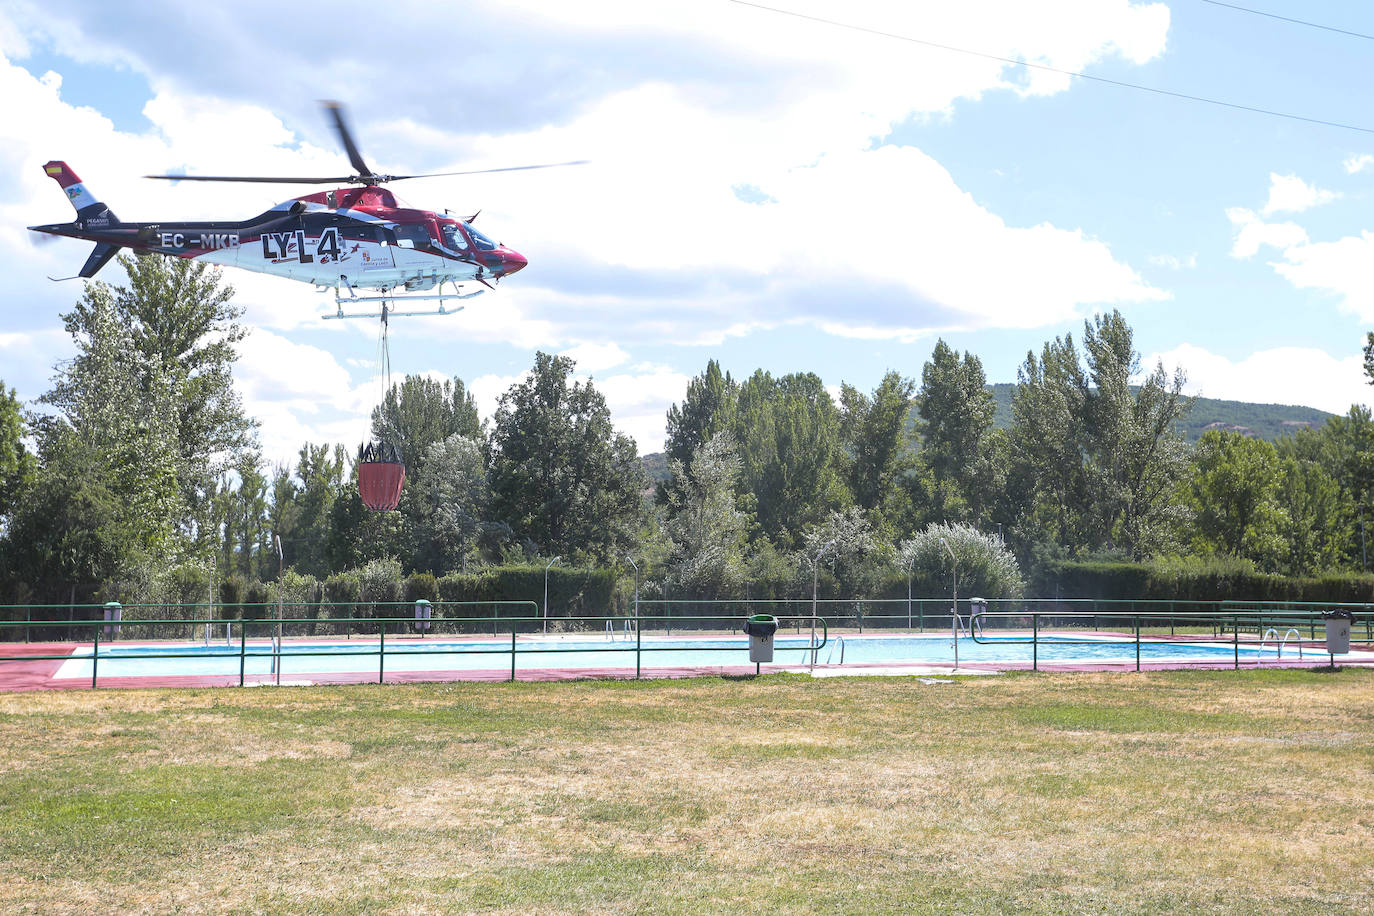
<point>28,670</point>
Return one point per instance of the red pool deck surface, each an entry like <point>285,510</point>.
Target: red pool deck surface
<point>22,674</point>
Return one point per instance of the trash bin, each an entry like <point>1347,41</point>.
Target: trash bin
<point>422,614</point>
<point>760,629</point>
<point>114,611</point>
<point>1338,630</point>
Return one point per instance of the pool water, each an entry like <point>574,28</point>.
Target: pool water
<point>533,653</point>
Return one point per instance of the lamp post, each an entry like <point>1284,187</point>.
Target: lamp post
<point>546,594</point>
<point>910,571</point>
<point>815,583</point>
<point>281,608</point>
<point>954,619</point>
<point>636,566</point>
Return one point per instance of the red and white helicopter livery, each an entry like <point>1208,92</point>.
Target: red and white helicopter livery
<point>347,239</point>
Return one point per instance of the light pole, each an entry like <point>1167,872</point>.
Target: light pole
<point>815,583</point>
<point>910,571</point>
<point>281,608</point>
<point>954,621</point>
<point>636,566</point>
<point>546,594</point>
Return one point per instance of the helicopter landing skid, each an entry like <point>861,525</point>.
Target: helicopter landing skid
<point>386,311</point>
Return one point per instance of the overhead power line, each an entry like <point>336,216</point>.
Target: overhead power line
<point>1310,25</point>
<point>1254,109</point>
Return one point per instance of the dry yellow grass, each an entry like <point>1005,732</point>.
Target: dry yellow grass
<point>1204,791</point>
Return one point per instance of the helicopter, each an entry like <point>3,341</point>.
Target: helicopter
<point>348,238</point>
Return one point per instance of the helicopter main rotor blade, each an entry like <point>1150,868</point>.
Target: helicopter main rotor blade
<point>512,168</point>
<point>355,157</point>
<point>350,179</point>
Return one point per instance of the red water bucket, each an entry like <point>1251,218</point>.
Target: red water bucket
<point>379,484</point>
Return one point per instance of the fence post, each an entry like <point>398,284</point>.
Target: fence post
<point>1137,642</point>
<point>512,652</point>
<point>1035,641</point>
<point>638,643</point>
<point>381,657</point>
<point>1235,638</point>
<point>95,655</point>
<point>243,649</point>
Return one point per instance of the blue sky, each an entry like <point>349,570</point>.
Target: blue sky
<point>767,191</point>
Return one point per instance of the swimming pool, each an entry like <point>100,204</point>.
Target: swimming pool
<point>413,655</point>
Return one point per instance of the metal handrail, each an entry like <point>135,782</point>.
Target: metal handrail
<point>1278,647</point>
<point>1282,642</point>
<point>1233,622</point>
<point>839,644</point>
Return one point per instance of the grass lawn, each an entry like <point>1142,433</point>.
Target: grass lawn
<point>1204,792</point>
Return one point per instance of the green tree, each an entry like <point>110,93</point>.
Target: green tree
<point>1136,456</point>
<point>181,319</point>
<point>985,567</point>
<point>1321,528</point>
<point>422,411</point>
<point>1095,456</point>
<point>707,409</point>
<point>707,528</point>
<point>847,543</point>
<point>873,431</point>
<point>561,476</point>
<point>788,431</point>
<point>451,505</point>
<point>957,409</point>
<point>116,425</point>
<point>17,465</point>
<point>1236,491</point>
<point>1046,445</point>
<point>305,539</point>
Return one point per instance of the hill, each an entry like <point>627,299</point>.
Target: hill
<point>1262,421</point>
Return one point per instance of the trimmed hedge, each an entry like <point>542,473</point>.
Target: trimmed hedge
<point>1218,581</point>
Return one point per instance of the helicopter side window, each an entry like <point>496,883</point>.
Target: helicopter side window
<point>480,240</point>
<point>454,240</point>
<point>412,237</point>
<point>362,233</point>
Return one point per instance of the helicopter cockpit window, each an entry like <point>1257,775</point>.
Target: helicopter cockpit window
<point>454,240</point>
<point>480,240</point>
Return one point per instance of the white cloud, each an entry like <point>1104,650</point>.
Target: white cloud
<point>1358,163</point>
<point>27,359</point>
<point>1302,376</point>
<point>301,394</point>
<point>1173,261</point>
<point>1344,268</point>
<point>593,357</point>
<point>1253,232</point>
<point>1290,194</point>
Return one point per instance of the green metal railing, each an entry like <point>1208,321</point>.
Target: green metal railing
<point>267,646</point>
<point>1240,619</point>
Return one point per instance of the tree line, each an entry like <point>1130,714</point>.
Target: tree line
<point>137,475</point>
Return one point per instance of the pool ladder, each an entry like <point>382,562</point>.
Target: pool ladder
<point>1291,631</point>
<point>631,627</point>
<point>837,644</point>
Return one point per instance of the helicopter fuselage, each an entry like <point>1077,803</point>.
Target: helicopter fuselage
<point>353,238</point>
